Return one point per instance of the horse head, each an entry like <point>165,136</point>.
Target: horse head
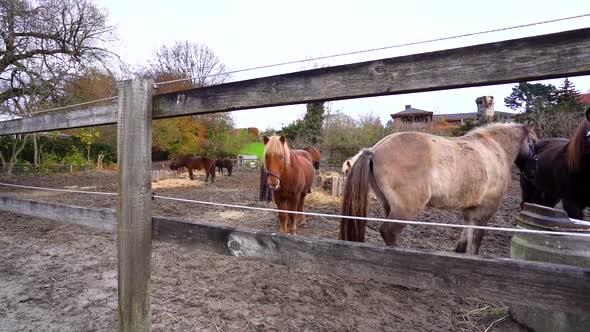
<point>578,148</point>
<point>276,159</point>
<point>526,159</point>
<point>173,167</point>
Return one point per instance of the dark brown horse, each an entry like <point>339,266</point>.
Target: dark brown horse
<point>197,163</point>
<point>409,171</point>
<point>559,171</point>
<point>221,163</point>
<point>290,176</point>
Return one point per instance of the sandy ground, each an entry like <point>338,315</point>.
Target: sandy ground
<point>57,276</point>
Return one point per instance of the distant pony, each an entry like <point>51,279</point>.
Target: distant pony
<point>221,163</point>
<point>347,165</point>
<point>410,170</point>
<point>197,163</point>
<point>316,155</point>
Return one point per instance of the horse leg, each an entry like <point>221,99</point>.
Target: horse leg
<point>190,173</point>
<point>470,240</point>
<point>293,206</point>
<point>301,217</point>
<point>282,205</point>
<point>573,210</point>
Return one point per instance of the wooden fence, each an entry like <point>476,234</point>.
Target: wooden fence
<point>541,57</point>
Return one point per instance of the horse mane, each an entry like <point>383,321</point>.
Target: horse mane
<point>497,131</point>
<point>575,148</point>
<point>275,147</point>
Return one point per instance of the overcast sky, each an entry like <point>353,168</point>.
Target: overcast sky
<point>253,33</point>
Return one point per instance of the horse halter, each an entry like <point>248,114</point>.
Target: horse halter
<point>272,174</point>
<point>530,166</point>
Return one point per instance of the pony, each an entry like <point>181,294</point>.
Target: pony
<point>560,170</point>
<point>316,155</point>
<point>198,163</point>
<point>411,170</point>
<point>347,165</point>
<point>289,176</point>
<point>221,163</point>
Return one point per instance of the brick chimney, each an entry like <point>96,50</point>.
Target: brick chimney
<point>408,107</point>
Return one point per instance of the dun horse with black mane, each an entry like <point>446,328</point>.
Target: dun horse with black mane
<point>409,171</point>
<point>289,175</point>
<point>560,170</point>
<point>197,163</point>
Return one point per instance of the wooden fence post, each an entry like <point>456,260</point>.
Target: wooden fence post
<point>134,240</point>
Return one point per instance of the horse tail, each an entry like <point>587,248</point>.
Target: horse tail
<point>356,198</point>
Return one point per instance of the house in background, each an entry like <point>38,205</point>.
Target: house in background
<point>584,98</point>
<point>414,115</point>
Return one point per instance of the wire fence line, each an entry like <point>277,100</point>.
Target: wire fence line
<point>520,26</point>
<point>315,214</point>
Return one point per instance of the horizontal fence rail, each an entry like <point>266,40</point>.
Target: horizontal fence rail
<point>544,285</point>
<point>532,58</point>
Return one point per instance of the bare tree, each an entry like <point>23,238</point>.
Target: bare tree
<point>43,44</point>
<point>187,59</point>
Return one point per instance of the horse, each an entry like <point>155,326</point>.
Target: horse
<point>411,170</point>
<point>197,163</point>
<point>221,163</point>
<point>347,165</point>
<point>290,176</point>
<point>559,171</point>
<point>316,155</point>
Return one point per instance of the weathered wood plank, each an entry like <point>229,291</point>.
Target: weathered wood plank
<point>101,219</point>
<point>544,285</point>
<point>540,57</point>
<point>134,240</point>
<point>86,117</point>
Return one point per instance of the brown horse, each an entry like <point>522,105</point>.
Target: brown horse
<point>290,176</point>
<point>197,163</point>
<point>560,170</point>
<point>409,171</point>
<point>221,163</point>
<point>316,155</point>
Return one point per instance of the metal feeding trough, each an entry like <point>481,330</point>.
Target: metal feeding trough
<point>559,249</point>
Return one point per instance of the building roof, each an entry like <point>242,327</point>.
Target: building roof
<point>470,115</point>
<point>584,98</point>
<point>409,111</point>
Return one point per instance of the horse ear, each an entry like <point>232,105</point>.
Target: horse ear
<point>588,114</point>
<point>283,139</point>
<point>265,139</point>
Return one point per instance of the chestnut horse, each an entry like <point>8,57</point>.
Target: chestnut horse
<point>410,170</point>
<point>316,155</point>
<point>290,176</point>
<point>197,163</point>
<point>559,171</point>
<point>221,163</point>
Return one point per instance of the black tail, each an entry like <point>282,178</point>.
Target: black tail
<point>212,174</point>
<point>356,199</point>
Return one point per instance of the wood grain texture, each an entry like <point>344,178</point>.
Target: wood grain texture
<point>134,240</point>
<point>100,219</point>
<point>542,57</point>
<point>544,285</point>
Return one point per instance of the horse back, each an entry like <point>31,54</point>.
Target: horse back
<point>443,172</point>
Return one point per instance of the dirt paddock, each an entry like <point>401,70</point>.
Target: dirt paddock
<point>61,277</point>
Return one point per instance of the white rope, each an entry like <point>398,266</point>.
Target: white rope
<point>408,222</point>
<point>376,49</point>
<point>60,190</point>
<point>314,214</point>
